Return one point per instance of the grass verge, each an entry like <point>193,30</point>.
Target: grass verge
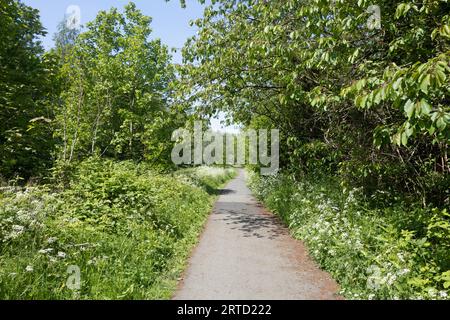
<point>126,229</point>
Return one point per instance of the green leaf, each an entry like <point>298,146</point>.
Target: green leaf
<point>409,108</point>
<point>425,83</point>
<point>425,107</point>
<point>404,138</point>
<point>441,123</point>
<point>402,9</point>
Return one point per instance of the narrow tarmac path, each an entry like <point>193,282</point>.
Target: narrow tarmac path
<point>246,253</point>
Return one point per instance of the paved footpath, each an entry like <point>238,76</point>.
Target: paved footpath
<point>246,253</point>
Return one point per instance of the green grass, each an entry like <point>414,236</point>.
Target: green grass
<point>128,229</point>
<point>397,252</point>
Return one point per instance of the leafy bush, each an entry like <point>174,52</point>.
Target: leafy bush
<point>388,253</point>
<point>114,222</point>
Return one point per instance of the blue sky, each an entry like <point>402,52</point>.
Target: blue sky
<point>170,23</point>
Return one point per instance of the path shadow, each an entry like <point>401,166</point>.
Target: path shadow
<point>253,225</point>
<point>216,192</point>
<point>225,191</point>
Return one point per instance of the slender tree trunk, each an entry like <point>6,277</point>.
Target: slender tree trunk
<point>94,135</point>
<point>64,131</point>
<point>75,138</point>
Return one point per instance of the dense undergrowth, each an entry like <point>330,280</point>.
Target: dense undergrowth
<point>391,252</point>
<point>113,221</point>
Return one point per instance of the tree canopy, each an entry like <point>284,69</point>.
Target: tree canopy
<point>369,101</point>
<point>25,92</point>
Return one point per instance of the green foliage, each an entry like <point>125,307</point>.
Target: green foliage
<point>26,76</point>
<point>207,178</point>
<point>315,157</point>
<point>65,39</point>
<point>364,110</point>
<point>113,221</point>
<point>116,90</point>
<point>372,99</point>
<point>390,253</point>
<point>104,91</point>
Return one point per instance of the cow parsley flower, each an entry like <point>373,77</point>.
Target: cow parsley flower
<point>51,239</point>
<point>403,272</point>
<point>45,251</point>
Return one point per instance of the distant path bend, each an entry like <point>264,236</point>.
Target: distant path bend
<point>246,253</point>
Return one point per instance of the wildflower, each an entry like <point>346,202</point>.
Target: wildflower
<point>45,251</point>
<point>61,255</point>
<point>17,228</point>
<point>391,279</point>
<point>51,239</point>
<point>443,294</point>
<point>432,292</point>
<point>403,272</point>
<point>16,231</point>
<point>29,269</point>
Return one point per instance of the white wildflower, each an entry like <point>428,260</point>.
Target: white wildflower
<point>29,269</point>
<point>400,257</point>
<point>403,272</point>
<point>61,255</point>
<point>51,239</point>
<point>391,279</point>
<point>45,251</point>
<point>18,228</point>
<point>432,292</point>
